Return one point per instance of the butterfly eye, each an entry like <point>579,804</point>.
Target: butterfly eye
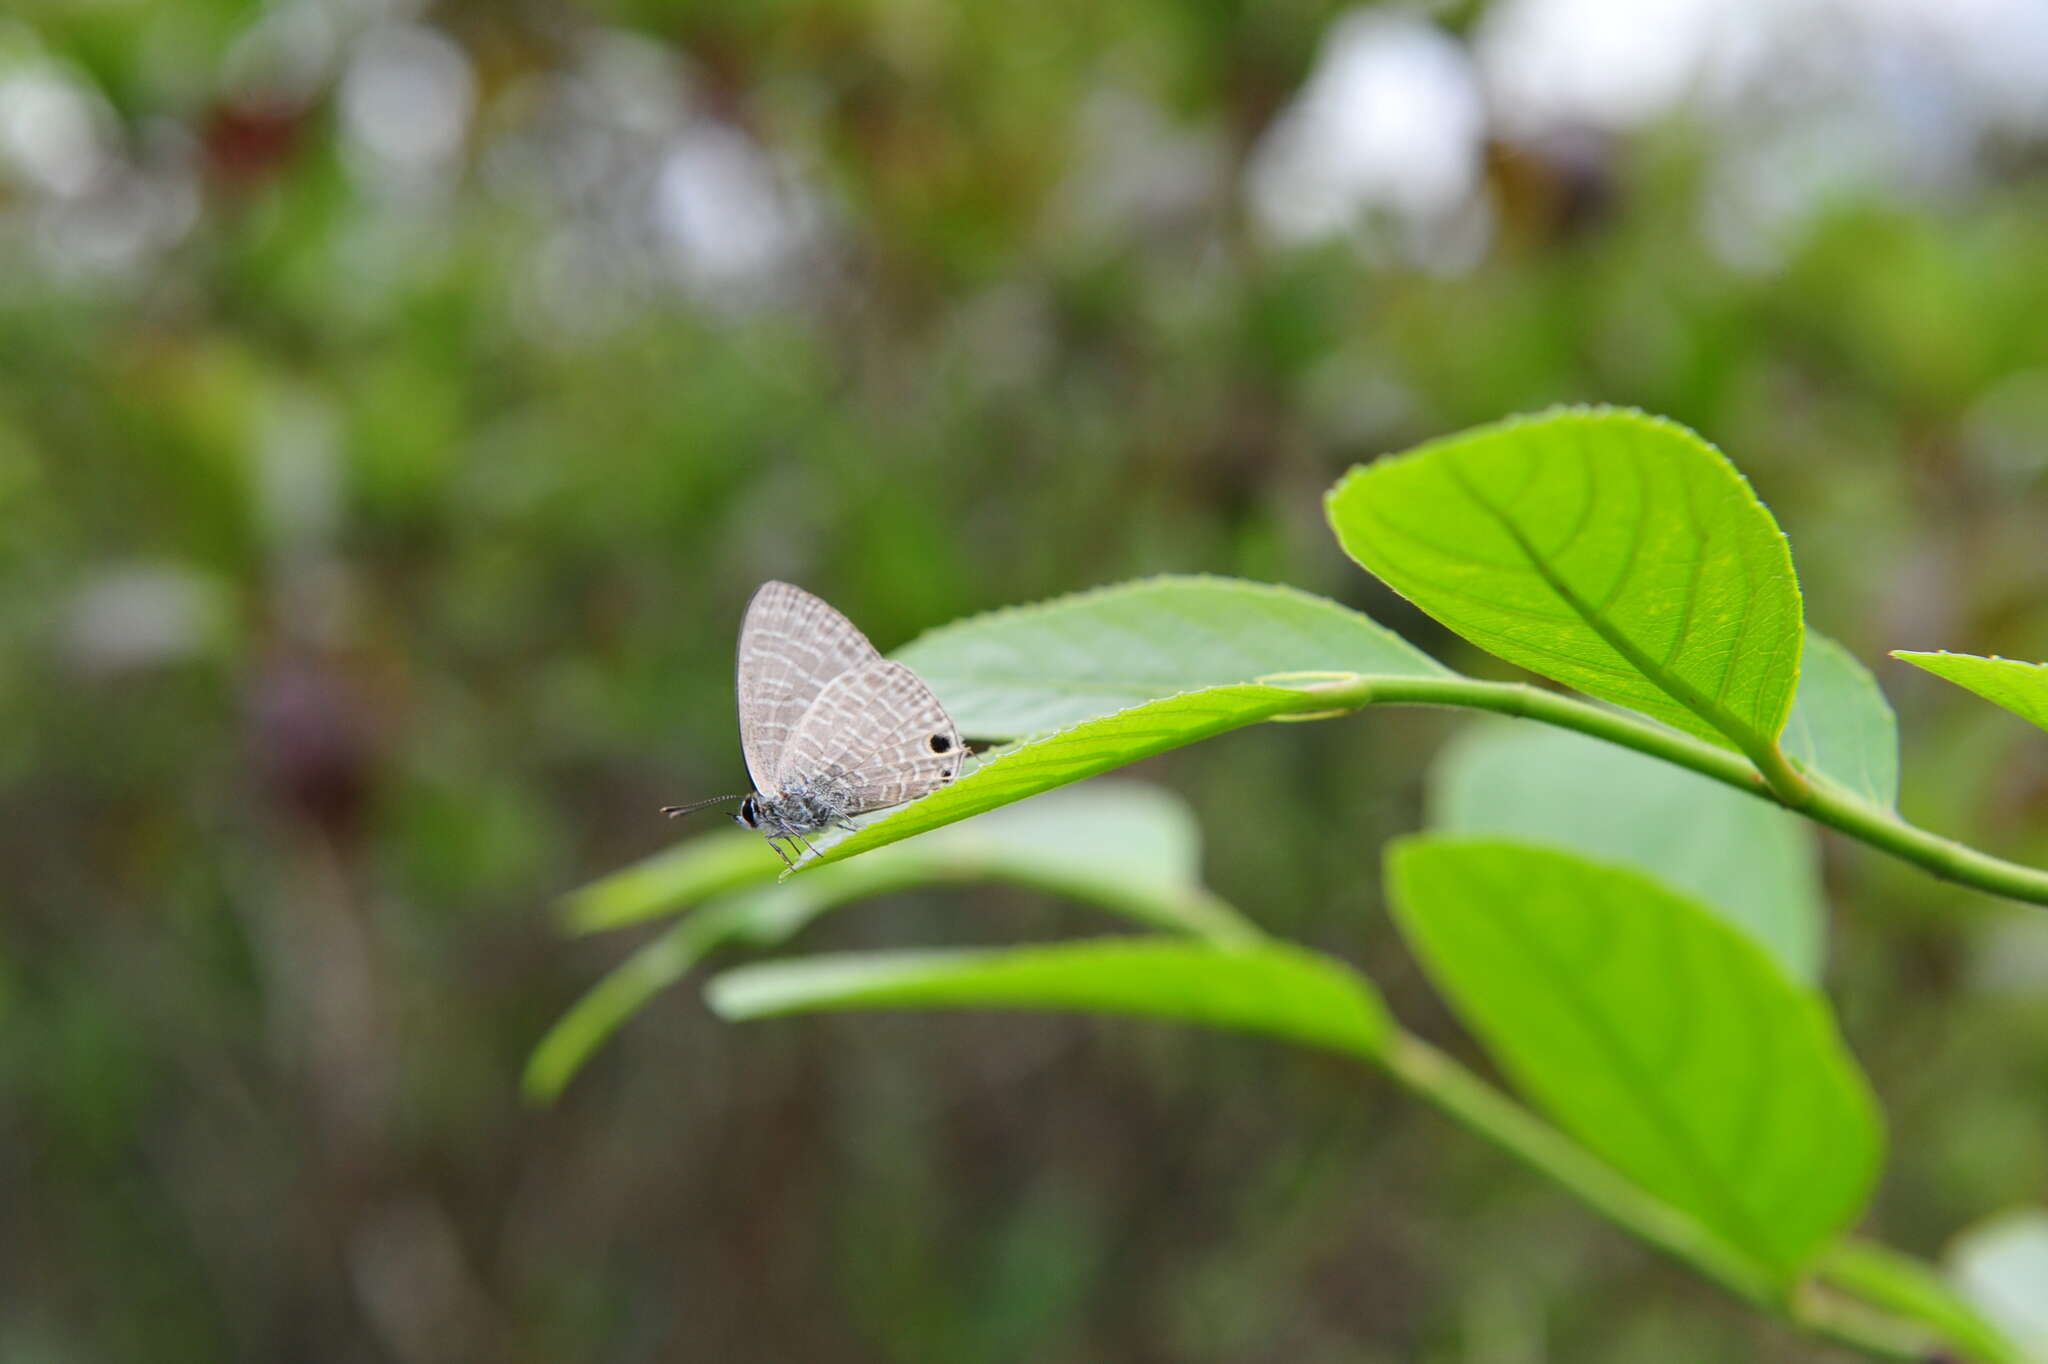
<point>941,742</point>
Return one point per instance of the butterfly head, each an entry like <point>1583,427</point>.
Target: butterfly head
<point>748,816</point>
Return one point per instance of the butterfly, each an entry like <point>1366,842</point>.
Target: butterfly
<point>829,728</point>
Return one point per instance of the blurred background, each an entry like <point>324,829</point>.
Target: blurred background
<point>399,401</point>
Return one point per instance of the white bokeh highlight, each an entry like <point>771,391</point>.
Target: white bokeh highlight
<point>1389,122</point>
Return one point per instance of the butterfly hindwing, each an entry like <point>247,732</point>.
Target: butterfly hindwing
<point>791,646</point>
<point>878,733</point>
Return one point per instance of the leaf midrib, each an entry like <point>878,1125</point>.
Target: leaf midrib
<point>1744,736</point>
<point>1705,1176</point>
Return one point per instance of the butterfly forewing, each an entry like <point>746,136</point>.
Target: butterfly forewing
<point>879,733</point>
<point>791,646</point>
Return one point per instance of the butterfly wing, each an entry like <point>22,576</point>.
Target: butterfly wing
<point>791,646</point>
<point>876,732</point>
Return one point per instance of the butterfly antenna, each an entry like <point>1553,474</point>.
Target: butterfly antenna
<point>676,811</point>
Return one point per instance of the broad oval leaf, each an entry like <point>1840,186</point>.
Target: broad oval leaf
<point>1267,988</point>
<point>1089,748</point>
<point>2021,688</point>
<point>1752,863</point>
<point>1613,551</point>
<point>1841,726</point>
<point>1130,848</point>
<point>1030,669</point>
<point>1660,1037</point>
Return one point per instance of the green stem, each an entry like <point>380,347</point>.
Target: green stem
<point>1439,1080</point>
<point>1789,786</point>
<point>1819,800</point>
<point>1856,1324</point>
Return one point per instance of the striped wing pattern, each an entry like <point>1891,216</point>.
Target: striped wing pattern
<point>791,646</point>
<point>877,733</point>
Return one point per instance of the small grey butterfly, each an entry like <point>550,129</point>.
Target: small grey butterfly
<point>829,727</point>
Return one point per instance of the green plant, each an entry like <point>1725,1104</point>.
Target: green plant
<point>1631,928</point>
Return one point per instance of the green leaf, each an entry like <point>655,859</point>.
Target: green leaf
<point>1841,726</point>
<point>1089,748</point>
<point>1750,862</point>
<point>1615,552</point>
<point>1199,656</point>
<point>2001,1266</point>
<point>1660,1037</point>
<point>1909,1288</point>
<point>1127,847</point>
<point>1030,669</point>
<point>1265,988</point>
<point>697,870</point>
<point>1118,843</point>
<point>2021,688</point>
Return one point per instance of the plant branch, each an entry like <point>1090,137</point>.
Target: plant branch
<point>1821,800</point>
<point>1437,1079</point>
<point>1859,1326</point>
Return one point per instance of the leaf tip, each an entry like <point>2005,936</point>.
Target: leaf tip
<point>549,1068</point>
<point>727,995</point>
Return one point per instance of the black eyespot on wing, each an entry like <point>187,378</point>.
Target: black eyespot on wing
<point>941,742</point>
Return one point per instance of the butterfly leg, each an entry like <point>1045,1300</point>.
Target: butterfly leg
<point>807,847</point>
<point>780,853</point>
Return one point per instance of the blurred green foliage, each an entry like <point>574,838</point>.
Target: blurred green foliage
<point>375,531</point>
